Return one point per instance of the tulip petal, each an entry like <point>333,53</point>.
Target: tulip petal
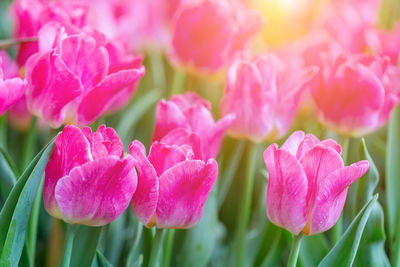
<point>48,96</point>
<point>181,136</point>
<point>11,90</point>
<point>104,142</point>
<point>97,192</point>
<point>292,143</point>
<point>287,190</point>
<point>331,196</point>
<point>144,201</point>
<point>72,149</point>
<point>100,98</point>
<point>214,136</point>
<point>168,117</point>
<point>163,156</point>
<point>184,189</point>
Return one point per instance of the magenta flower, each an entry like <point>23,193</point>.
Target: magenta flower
<point>206,34</point>
<point>189,111</point>
<point>355,95</point>
<point>88,180</point>
<point>173,185</point>
<point>11,89</point>
<point>308,183</point>
<point>30,15</point>
<point>264,97</point>
<point>77,76</point>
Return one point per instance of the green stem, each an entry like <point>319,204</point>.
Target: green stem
<point>294,251</point>
<point>29,144</point>
<point>157,69</point>
<point>169,242</point>
<point>230,172</point>
<point>178,82</point>
<point>3,131</point>
<point>131,255</point>
<point>33,223</point>
<point>68,243</point>
<point>245,206</point>
<point>345,150</point>
<point>4,44</point>
<point>156,248</point>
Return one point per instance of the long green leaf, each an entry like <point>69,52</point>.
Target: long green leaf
<point>102,261</point>
<point>8,174</point>
<point>345,250</point>
<point>372,245</point>
<point>14,216</point>
<point>393,184</point>
<point>85,246</point>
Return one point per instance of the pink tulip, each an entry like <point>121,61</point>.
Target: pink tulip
<point>385,43</point>
<point>173,185</point>
<point>11,89</point>
<point>264,96</point>
<point>30,15</point>
<point>189,111</point>
<point>88,180</point>
<point>355,95</point>
<point>206,34</point>
<point>77,76</point>
<point>308,183</point>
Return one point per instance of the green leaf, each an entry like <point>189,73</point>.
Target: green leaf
<point>372,245</point>
<point>14,216</point>
<point>313,249</point>
<point>345,250</point>
<point>8,174</point>
<point>393,184</point>
<point>85,246</point>
<point>268,249</point>
<point>199,241</point>
<point>102,261</point>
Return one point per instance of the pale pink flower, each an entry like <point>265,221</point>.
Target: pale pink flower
<point>308,183</point>
<point>77,76</point>
<point>88,180</point>
<point>385,43</point>
<point>264,95</point>
<point>206,34</point>
<point>173,185</point>
<point>190,112</point>
<point>354,95</point>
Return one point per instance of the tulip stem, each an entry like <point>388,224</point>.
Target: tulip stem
<point>4,44</point>
<point>178,82</point>
<point>29,144</point>
<point>245,206</point>
<point>68,242</point>
<point>169,242</point>
<point>156,248</point>
<point>294,251</point>
<point>3,131</point>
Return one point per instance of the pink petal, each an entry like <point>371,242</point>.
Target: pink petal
<point>52,86</point>
<point>306,145</point>
<point>189,99</point>
<point>104,142</point>
<point>97,192</point>
<point>181,136</point>
<point>213,139</point>
<point>71,149</point>
<point>184,189</point>
<point>163,156</point>
<point>99,99</point>
<point>331,197</point>
<point>287,190</point>
<point>292,143</point>
<point>11,90</point>
<point>168,117</point>
<point>144,201</point>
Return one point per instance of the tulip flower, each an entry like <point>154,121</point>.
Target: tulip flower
<point>88,180</point>
<point>355,95</point>
<point>385,43</point>
<point>30,15</point>
<point>264,96</point>
<point>308,183</point>
<point>11,89</point>
<point>76,76</point>
<point>206,34</point>
<point>189,111</point>
<point>173,185</point>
